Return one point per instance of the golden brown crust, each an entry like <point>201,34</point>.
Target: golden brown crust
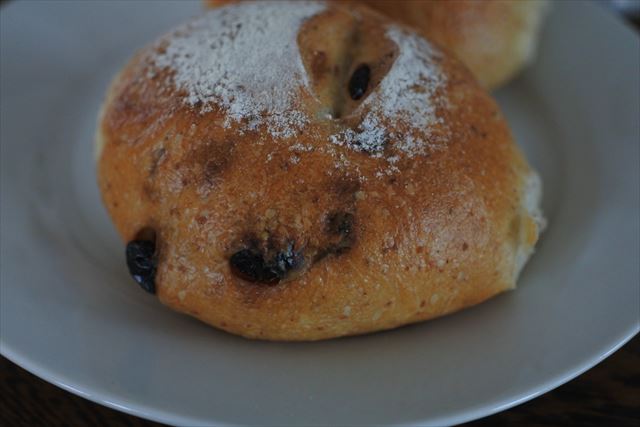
<point>438,234</point>
<point>494,38</point>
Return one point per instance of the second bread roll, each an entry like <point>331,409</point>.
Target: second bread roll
<point>494,38</point>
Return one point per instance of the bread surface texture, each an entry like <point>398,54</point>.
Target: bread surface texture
<point>309,171</point>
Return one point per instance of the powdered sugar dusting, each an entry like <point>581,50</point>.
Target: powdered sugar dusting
<point>407,98</point>
<point>245,60</point>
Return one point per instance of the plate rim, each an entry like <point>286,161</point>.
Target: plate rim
<point>166,417</point>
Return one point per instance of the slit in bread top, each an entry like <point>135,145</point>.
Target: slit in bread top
<point>249,61</point>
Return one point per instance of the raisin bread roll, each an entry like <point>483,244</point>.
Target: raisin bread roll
<point>495,39</point>
<point>309,170</point>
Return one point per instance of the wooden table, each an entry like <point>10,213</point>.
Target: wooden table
<point>607,395</point>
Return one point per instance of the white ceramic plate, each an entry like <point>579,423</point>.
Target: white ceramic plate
<point>71,315</point>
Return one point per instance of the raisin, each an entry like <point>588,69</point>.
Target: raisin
<point>251,266</point>
<point>286,261</point>
<point>141,261</point>
<point>359,81</point>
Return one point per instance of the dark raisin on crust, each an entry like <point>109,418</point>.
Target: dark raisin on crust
<point>251,265</point>
<point>274,261</point>
<point>141,261</point>
<point>286,261</point>
<point>359,82</point>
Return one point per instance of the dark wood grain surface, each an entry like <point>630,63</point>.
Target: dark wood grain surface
<point>606,395</point>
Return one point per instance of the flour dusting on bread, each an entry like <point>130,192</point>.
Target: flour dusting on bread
<point>404,107</point>
<point>244,59</point>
